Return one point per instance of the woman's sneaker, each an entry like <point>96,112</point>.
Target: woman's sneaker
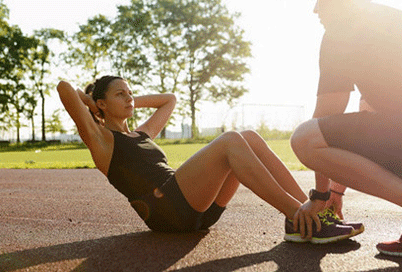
<point>332,217</point>
<point>393,248</point>
<point>330,232</point>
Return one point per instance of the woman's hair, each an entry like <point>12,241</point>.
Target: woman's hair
<point>97,90</point>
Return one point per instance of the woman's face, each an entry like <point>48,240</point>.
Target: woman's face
<point>119,101</point>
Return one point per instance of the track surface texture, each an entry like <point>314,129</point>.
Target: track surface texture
<point>74,220</point>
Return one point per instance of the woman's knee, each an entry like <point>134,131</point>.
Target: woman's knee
<point>250,134</point>
<point>252,137</point>
<point>232,137</point>
<point>233,140</point>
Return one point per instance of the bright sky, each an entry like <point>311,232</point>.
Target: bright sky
<point>286,36</point>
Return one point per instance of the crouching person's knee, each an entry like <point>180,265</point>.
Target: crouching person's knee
<point>306,139</point>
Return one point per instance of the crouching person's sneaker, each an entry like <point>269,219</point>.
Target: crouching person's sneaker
<point>330,232</point>
<point>392,248</point>
<point>332,217</point>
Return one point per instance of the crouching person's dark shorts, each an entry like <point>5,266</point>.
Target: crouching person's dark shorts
<point>167,210</point>
<point>376,136</point>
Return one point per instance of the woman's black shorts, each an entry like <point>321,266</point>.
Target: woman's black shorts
<point>376,136</point>
<point>169,211</point>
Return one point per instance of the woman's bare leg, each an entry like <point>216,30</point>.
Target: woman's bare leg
<point>274,165</point>
<point>344,167</point>
<point>228,190</point>
<point>201,178</point>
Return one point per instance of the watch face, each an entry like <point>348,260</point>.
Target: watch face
<point>313,195</point>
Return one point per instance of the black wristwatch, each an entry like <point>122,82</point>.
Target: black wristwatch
<point>314,194</point>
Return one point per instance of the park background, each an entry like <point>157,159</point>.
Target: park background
<point>285,37</point>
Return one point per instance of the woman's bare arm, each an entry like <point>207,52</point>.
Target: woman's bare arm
<point>98,139</point>
<point>164,103</point>
<point>78,111</point>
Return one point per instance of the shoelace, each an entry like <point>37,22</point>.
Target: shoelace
<point>324,220</point>
<point>330,213</point>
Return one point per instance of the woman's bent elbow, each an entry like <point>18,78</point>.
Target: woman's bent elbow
<point>62,86</point>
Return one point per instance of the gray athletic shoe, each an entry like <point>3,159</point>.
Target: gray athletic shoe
<point>332,217</point>
<point>330,232</point>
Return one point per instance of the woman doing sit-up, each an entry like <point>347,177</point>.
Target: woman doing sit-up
<point>194,196</point>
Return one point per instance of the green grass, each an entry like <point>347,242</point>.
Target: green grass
<point>283,150</point>
<point>77,158</point>
<point>70,157</point>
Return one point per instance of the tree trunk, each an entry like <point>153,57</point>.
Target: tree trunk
<point>194,130</point>
<point>163,133</point>
<point>43,117</point>
<point>18,128</point>
<point>33,128</point>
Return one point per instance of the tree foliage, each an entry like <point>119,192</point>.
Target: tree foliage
<point>54,124</point>
<point>130,57</point>
<point>192,48</point>
<point>14,55</point>
<point>215,51</point>
<point>39,70</point>
<point>90,46</point>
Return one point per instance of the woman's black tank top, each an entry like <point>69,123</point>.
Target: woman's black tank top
<point>138,165</point>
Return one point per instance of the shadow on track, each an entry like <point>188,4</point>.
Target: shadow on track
<point>397,260</point>
<point>152,251</point>
<point>129,252</point>
<point>287,256</point>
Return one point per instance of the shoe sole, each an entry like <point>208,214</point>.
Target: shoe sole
<point>296,238</point>
<point>390,253</point>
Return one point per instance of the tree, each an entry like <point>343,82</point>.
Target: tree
<point>54,124</point>
<point>159,39</point>
<point>13,59</point>
<point>30,106</point>
<point>4,114</point>
<point>129,55</point>
<point>17,97</point>
<point>4,11</point>
<point>39,68</point>
<point>89,47</point>
<point>215,51</point>
<point>164,38</point>
<point>5,121</point>
<point>191,47</point>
